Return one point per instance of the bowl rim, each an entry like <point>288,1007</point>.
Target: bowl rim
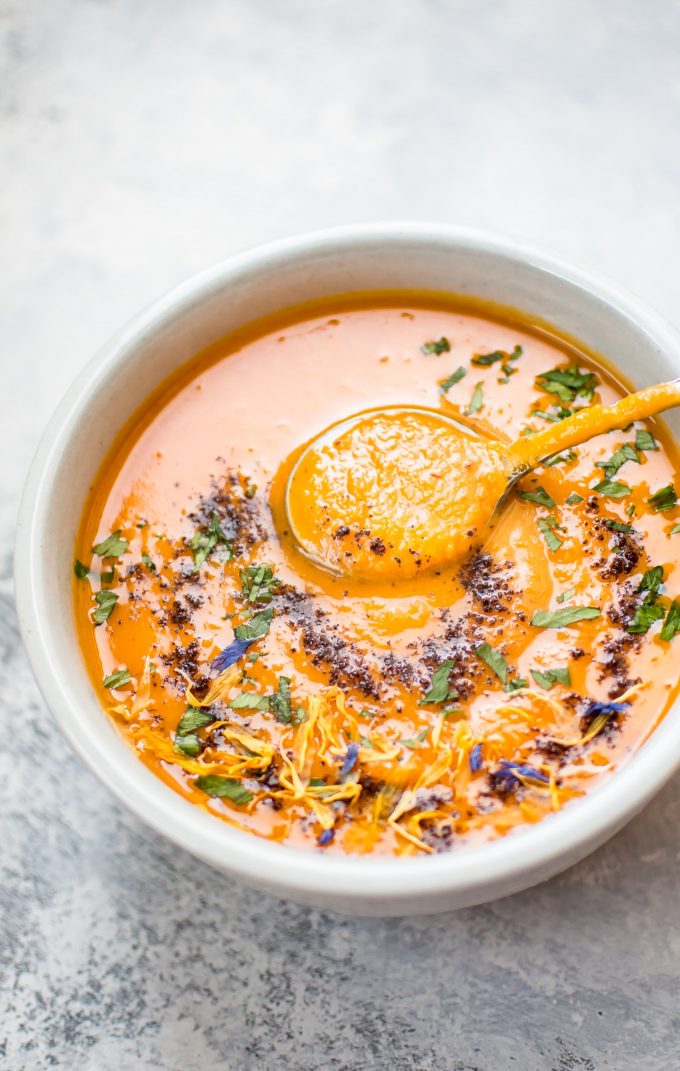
<point>569,833</point>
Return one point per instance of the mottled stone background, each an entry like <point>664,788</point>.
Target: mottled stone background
<point>142,140</point>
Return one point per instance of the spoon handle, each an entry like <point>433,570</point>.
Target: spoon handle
<point>528,452</point>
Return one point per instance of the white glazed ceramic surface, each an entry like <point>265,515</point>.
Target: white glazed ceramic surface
<point>212,304</point>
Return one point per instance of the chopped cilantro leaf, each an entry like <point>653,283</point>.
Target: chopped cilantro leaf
<point>545,678</point>
<point>571,455</point>
<point>148,562</point>
<point>476,401</point>
<point>81,571</point>
<point>487,359</point>
<point>249,701</point>
<point>612,488</point>
<point>193,718</point>
<point>439,690</point>
<point>188,745</point>
<point>204,542</point>
<point>671,625</point>
<point>627,452</point>
<point>106,600</point>
<point>515,686</point>
<point>561,618</point>
<point>280,701</point>
<point>442,345</point>
<point>568,383</point>
<point>494,660</point>
<point>574,499</point>
<point>258,583</point>
<point>540,496</point>
<point>644,440</point>
<point>224,788</point>
<point>545,526</point>
<point>111,547</point>
<point>652,580</point>
<point>664,499</point>
<point>117,679</point>
<point>645,615</point>
<point>566,595</point>
<point>674,529</point>
<point>451,380</point>
<point>617,526</point>
<point>553,415</point>
<point>256,628</point>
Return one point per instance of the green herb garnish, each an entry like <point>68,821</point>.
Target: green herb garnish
<point>663,499</point>
<point>560,618</point>
<point>188,745</point>
<point>149,563</point>
<point>671,625</point>
<point>280,701</point>
<point>574,499</point>
<point>204,542</point>
<point>415,743</point>
<point>627,452</point>
<point>515,686</point>
<point>617,526</point>
<point>568,383</point>
<point>223,788</point>
<point>612,488</point>
<point>251,490</point>
<point>494,660</point>
<point>540,496</point>
<point>545,526</point>
<point>117,679</point>
<point>451,380</point>
<point>652,580</point>
<point>476,401</point>
<point>442,345</point>
<point>249,701</point>
<point>545,678</point>
<point>644,440</point>
<point>645,615</point>
<point>566,595</point>
<point>258,583</point>
<point>553,415</point>
<point>561,459</point>
<point>487,359</point>
<point>81,571</point>
<point>649,609</point>
<point>111,547</point>
<point>439,690</point>
<point>193,718</point>
<point>106,600</point>
<point>256,628</point>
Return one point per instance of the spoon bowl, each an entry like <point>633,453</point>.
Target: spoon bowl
<point>395,492</point>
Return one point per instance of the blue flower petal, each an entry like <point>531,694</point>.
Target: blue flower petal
<point>326,837</point>
<point>511,770</point>
<point>594,709</point>
<point>476,760</point>
<point>350,760</point>
<point>231,654</point>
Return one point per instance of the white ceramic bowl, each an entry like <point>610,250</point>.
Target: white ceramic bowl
<point>169,333</point>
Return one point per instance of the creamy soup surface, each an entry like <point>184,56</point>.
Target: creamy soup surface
<point>403,711</point>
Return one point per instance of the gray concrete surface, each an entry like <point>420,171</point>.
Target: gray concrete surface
<point>140,141</point>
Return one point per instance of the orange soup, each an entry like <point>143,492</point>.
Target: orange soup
<point>406,709</point>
